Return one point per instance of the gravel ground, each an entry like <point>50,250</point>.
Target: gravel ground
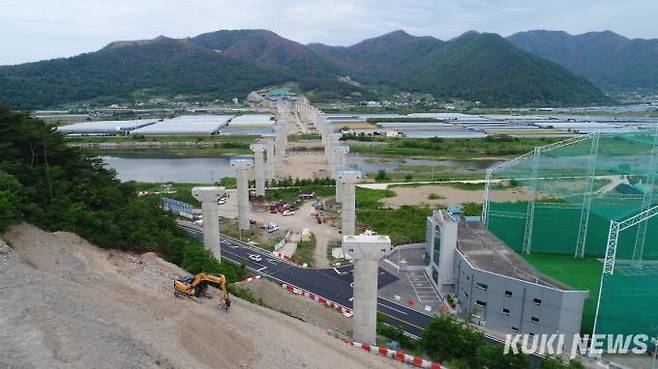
<point>67,304</point>
<point>278,298</point>
<point>302,164</point>
<point>448,195</point>
<point>324,233</point>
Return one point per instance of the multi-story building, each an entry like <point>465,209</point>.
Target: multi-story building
<point>494,286</point>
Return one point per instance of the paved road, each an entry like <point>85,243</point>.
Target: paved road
<point>326,283</point>
<point>333,284</point>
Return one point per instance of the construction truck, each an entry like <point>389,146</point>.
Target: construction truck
<point>196,285</point>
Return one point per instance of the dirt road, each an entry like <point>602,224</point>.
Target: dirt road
<point>303,219</point>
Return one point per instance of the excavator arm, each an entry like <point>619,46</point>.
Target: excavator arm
<point>195,286</point>
<point>220,282</point>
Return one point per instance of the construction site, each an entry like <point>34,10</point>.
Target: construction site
<point>80,306</point>
<point>565,243</point>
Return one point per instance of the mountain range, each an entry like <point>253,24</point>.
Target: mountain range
<point>474,66</point>
<point>610,61</point>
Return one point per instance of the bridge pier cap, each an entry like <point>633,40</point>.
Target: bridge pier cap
<point>257,147</point>
<point>367,247</point>
<point>349,176</point>
<point>242,163</point>
<point>208,193</point>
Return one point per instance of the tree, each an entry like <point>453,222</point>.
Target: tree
<point>492,357</point>
<point>552,362</point>
<point>10,211</point>
<point>445,339</point>
<point>57,187</point>
<point>472,208</point>
<point>382,175</point>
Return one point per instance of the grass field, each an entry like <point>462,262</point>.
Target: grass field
<point>581,274</point>
<point>305,251</point>
<point>454,148</point>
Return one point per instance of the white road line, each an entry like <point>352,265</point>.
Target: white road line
<point>261,269</point>
<point>392,308</point>
<point>414,288</point>
<point>418,284</point>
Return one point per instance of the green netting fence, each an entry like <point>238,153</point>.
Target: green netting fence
<point>629,296</point>
<point>571,191</point>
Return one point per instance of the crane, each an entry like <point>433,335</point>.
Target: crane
<point>196,285</point>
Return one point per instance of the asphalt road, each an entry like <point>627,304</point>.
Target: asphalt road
<point>332,284</point>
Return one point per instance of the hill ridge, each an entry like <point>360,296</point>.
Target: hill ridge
<point>611,61</point>
<point>228,63</point>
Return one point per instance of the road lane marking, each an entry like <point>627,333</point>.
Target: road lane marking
<point>392,308</point>
<point>403,321</point>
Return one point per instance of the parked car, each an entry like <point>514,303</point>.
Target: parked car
<point>255,258</point>
<point>272,227</point>
<point>287,213</point>
<point>306,195</point>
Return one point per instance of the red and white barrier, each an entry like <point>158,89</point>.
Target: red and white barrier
<point>251,278</point>
<point>285,257</point>
<point>396,355</point>
<point>336,306</point>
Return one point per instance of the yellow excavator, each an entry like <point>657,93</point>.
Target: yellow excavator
<point>196,285</point>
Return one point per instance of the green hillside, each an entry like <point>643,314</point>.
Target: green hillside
<point>227,64</point>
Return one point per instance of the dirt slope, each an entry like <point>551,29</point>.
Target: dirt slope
<point>66,304</point>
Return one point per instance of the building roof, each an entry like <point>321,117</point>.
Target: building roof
<point>105,126</point>
<point>486,252</point>
<point>186,125</point>
<point>256,120</point>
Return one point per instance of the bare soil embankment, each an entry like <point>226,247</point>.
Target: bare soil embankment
<point>67,304</point>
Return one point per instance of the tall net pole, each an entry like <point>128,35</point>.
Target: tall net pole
<point>485,204</point>
<point>647,199</point>
<point>617,227</point>
<point>587,198</point>
<point>532,197</point>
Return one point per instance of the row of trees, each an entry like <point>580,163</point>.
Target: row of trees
<point>47,183</point>
<point>459,346</point>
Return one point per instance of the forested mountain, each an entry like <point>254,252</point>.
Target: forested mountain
<point>610,61</point>
<point>225,64</point>
<point>166,66</point>
<point>473,66</point>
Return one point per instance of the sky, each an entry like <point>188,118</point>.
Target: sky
<point>32,30</point>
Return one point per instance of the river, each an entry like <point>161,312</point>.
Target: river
<point>159,168</point>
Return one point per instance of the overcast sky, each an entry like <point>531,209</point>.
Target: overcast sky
<point>33,30</point>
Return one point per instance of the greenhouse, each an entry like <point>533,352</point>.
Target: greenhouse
<point>589,220</point>
<point>186,125</point>
<point>105,127</point>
